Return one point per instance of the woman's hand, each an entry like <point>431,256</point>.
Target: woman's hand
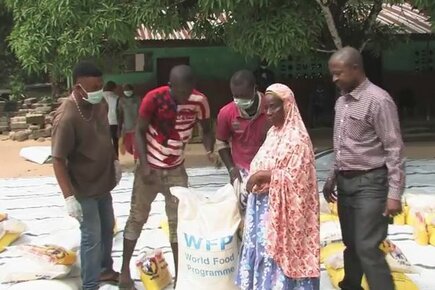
<point>257,179</point>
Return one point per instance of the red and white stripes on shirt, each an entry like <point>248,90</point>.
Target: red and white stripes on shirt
<point>367,135</point>
<point>171,125</point>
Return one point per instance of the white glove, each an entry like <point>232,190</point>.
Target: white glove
<point>118,171</point>
<point>74,208</point>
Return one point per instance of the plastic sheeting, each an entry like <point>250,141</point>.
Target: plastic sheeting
<point>39,203</point>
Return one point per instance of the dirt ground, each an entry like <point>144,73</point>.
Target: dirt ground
<point>12,165</point>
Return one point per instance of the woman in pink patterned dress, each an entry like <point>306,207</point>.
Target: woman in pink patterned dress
<point>281,239</point>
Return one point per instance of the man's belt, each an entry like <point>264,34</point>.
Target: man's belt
<point>355,173</point>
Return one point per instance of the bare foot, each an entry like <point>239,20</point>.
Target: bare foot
<point>110,276</point>
<point>125,281</point>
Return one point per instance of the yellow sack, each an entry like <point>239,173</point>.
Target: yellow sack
<point>330,250</point>
<point>430,223</point>
<point>400,219</point>
<point>401,281</point>
<point>333,208</point>
<point>395,258</point>
<point>10,231</point>
<point>153,271</point>
<point>121,145</point>
<point>409,216</point>
<point>51,254</point>
<point>7,240</point>
<point>165,226</point>
<point>326,217</point>
<point>3,216</point>
<point>421,235</point>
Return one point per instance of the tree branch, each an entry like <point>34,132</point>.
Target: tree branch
<point>331,24</point>
<point>370,22</point>
<point>323,50</point>
<point>363,46</point>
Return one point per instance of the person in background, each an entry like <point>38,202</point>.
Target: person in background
<point>368,170</point>
<point>87,169</point>
<point>127,116</point>
<point>167,116</point>
<point>264,76</point>
<point>112,100</point>
<point>241,127</point>
<point>281,243</point>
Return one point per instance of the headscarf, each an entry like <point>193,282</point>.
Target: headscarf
<point>293,223</point>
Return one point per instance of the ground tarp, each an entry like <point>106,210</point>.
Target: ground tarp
<point>38,202</point>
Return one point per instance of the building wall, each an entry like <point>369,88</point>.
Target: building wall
<point>214,62</point>
<point>409,65</point>
<point>213,66</point>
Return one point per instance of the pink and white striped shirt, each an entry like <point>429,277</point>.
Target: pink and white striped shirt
<point>367,135</point>
<point>171,125</point>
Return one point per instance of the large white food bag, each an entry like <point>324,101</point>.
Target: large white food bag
<point>207,238</point>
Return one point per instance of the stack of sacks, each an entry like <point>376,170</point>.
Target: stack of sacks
<point>329,225</point>
<point>38,262</point>
<point>331,254</point>
<point>332,257</point>
<point>419,212</point>
<point>10,230</point>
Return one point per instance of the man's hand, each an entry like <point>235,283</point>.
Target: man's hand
<point>234,173</point>
<point>214,159</point>
<point>329,190</point>
<point>394,207</point>
<point>74,208</point>
<point>118,171</point>
<point>258,179</point>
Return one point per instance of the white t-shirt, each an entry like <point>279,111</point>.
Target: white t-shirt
<point>111,99</point>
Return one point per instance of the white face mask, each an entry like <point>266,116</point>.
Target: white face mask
<point>128,93</point>
<point>245,103</point>
<point>93,97</point>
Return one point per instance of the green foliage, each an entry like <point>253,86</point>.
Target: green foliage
<point>8,62</point>
<point>271,29</point>
<point>428,6</point>
<point>50,36</point>
<point>17,86</point>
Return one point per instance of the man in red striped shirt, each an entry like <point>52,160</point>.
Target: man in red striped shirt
<point>167,117</point>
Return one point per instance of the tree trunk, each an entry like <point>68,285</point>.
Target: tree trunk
<point>370,22</point>
<point>330,22</point>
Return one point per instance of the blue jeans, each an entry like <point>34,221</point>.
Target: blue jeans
<point>97,239</point>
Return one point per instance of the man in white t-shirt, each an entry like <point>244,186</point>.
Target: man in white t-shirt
<point>112,100</point>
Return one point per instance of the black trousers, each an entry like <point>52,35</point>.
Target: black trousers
<point>115,138</point>
<point>361,203</point>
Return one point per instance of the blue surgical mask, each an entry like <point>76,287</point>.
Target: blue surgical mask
<point>94,97</point>
<point>128,93</point>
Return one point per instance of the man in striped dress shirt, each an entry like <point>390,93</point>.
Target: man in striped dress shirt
<point>166,120</point>
<point>368,170</point>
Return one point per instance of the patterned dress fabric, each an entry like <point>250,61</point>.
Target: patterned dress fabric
<point>281,243</point>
